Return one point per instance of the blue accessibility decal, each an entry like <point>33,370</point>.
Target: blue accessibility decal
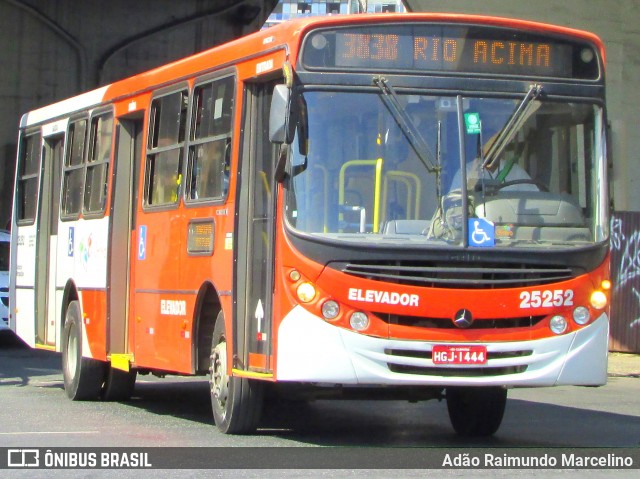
<point>142,242</point>
<point>71,241</point>
<point>482,232</point>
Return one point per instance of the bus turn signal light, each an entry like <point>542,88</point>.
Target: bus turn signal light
<point>294,275</point>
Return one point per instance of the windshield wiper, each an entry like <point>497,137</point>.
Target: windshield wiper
<point>516,120</point>
<point>406,125</point>
<point>439,161</point>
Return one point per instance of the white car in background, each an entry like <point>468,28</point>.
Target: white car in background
<point>5,238</point>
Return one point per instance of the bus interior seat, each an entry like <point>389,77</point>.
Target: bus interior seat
<point>406,227</point>
<point>530,208</point>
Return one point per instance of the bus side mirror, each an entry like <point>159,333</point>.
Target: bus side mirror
<point>279,131</point>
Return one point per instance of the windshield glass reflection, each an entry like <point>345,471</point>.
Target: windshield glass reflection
<point>362,179</point>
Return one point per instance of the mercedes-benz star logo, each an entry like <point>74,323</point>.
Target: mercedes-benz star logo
<point>463,319</point>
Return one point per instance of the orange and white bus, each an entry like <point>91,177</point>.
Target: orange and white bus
<point>403,205</point>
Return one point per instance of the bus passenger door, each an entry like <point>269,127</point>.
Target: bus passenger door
<point>46,245</point>
<point>125,174</point>
<point>254,248</point>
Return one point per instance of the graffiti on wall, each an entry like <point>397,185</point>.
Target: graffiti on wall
<point>625,273</point>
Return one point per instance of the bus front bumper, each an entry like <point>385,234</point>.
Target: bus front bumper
<point>311,350</point>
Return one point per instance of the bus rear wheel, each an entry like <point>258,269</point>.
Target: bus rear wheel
<point>476,411</point>
<point>83,377</point>
<point>236,402</point>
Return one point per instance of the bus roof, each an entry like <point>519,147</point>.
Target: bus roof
<point>265,41</point>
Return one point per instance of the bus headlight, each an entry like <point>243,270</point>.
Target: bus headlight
<point>359,321</point>
<point>598,300</point>
<point>558,324</point>
<point>581,315</point>
<point>306,292</point>
<point>330,309</point>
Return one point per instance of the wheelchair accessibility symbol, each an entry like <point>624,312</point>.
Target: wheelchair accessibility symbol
<point>481,232</point>
<point>142,243</point>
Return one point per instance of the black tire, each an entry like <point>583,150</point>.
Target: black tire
<point>118,384</point>
<point>83,377</point>
<point>476,411</point>
<point>236,402</point>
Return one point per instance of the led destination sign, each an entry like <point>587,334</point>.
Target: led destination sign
<point>450,49</point>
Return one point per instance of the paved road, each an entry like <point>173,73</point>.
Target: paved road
<point>174,411</point>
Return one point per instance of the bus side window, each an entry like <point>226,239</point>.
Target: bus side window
<point>29,172</point>
<point>211,169</point>
<point>165,177</point>
<point>164,150</point>
<point>95,194</point>
<point>73,181</point>
<point>210,142</point>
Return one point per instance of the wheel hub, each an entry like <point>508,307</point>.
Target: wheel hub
<point>219,377</point>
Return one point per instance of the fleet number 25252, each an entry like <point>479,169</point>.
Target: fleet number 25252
<point>546,298</point>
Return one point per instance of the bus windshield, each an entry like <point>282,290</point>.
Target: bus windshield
<point>363,177</point>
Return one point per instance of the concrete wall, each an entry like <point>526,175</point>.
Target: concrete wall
<point>53,49</point>
<point>617,24</point>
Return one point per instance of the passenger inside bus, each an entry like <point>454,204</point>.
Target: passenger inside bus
<point>485,174</point>
<point>503,170</point>
<point>211,170</point>
<point>165,186</point>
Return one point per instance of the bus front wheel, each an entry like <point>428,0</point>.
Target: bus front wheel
<point>476,411</point>
<point>83,377</point>
<point>236,402</point>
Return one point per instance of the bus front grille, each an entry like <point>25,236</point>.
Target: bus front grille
<point>447,323</point>
<point>457,372</point>
<point>461,275</point>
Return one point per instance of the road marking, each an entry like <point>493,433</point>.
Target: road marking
<point>45,384</point>
<point>47,432</point>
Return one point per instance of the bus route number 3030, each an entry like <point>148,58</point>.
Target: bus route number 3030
<point>546,298</point>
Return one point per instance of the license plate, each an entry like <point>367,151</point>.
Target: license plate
<point>447,354</point>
